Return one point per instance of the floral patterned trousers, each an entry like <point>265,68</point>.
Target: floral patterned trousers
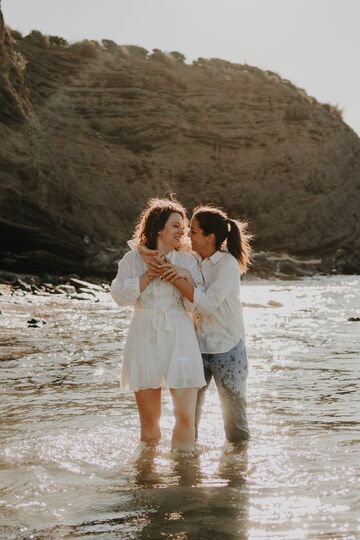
<point>230,371</point>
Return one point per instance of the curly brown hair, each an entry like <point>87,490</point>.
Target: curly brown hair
<point>153,218</point>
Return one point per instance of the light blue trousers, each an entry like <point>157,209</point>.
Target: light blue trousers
<point>230,372</point>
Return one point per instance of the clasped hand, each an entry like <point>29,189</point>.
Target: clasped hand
<point>159,267</point>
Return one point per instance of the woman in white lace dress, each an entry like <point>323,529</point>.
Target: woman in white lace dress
<point>161,349</point>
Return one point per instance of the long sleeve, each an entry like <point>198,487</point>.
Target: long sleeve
<point>192,265</point>
<point>125,288</point>
<point>207,301</point>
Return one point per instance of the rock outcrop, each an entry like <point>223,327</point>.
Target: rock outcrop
<point>89,132</point>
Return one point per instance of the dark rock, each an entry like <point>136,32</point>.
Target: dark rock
<point>88,291</point>
<point>50,279</point>
<point>64,289</point>
<point>283,266</point>
<point>354,319</point>
<point>35,323</point>
<point>22,285</point>
<point>82,296</point>
<point>35,289</point>
<point>80,284</point>
<point>343,261</point>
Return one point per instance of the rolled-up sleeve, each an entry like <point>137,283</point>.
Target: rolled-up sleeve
<point>207,301</point>
<point>125,288</point>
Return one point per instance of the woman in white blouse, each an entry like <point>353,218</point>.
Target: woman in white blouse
<point>224,253</point>
<point>161,348</point>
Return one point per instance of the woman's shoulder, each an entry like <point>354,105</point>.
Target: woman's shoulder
<point>230,261</point>
<point>184,257</point>
<point>130,257</point>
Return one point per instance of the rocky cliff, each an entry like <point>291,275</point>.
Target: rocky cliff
<point>89,132</point>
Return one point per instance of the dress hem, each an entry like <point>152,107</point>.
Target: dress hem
<point>162,387</point>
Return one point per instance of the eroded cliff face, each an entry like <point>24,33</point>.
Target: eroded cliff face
<point>14,96</point>
<point>87,135</point>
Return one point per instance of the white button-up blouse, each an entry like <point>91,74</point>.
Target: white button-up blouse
<point>220,325</point>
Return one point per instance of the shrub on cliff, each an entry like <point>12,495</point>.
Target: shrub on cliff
<point>179,57</point>
<point>163,57</point>
<point>110,45</point>
<point>16,35</point>
<point>57,41</point>
<point>135,50</point>
<point>86,48</point>
<point>37,38</point>
<point>200,61</point>
<point>208,62</point>
<point>335,110</point>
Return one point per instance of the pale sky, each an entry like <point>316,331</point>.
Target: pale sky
<point>314,43</point>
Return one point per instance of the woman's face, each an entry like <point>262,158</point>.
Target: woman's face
<point>199,242</point>
<point>170,237</point>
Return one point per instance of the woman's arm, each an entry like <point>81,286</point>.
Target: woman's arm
<point>185,288</point>
<point>185,279</point>
<point>181,279</point>
<point>126,286</point>
<point>206,301</point>
<point>153,259</point>
<point>146,279</point>
<point>218,290</point>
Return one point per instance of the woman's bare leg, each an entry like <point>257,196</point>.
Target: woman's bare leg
<point>184,400</point>
<point>149,408</point>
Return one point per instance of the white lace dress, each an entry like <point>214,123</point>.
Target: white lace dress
<point>161,348</point>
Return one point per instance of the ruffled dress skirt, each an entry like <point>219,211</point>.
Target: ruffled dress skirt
<point>162,351</point>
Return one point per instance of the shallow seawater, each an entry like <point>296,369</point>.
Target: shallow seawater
<point>70,462</point>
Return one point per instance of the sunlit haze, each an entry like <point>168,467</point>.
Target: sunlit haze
<point>312,43</point>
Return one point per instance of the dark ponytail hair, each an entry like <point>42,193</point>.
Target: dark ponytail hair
<point>233,231</point>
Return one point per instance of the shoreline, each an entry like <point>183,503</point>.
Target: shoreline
<point>265,265</point>
<point>271,266</point>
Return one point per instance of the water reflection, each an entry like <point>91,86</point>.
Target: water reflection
<point>194,504</point>
<point>70,462</point>
<point>145,467</point>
